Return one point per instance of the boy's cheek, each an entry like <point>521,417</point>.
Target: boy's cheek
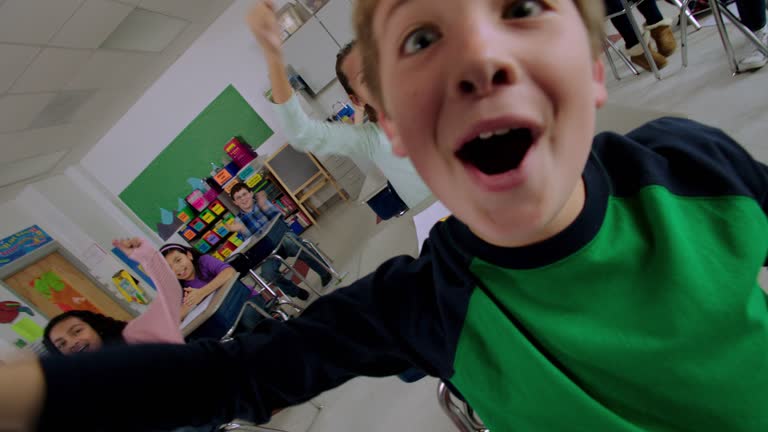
<point>389,128</point>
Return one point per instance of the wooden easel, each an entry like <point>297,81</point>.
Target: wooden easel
<point>301,185</point>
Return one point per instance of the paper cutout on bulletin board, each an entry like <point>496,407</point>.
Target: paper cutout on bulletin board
<point>23,242</point>
<point>157,189</point>
<point>133,265</point>
<point>10,310</point>
<point>27,329</point>
<point>60,293</point>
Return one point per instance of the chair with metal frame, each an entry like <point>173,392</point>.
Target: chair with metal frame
<point>460,413</point>
<point>628,6</point>
<point>718,12</point>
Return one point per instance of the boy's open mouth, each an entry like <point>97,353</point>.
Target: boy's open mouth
<point>497,152</point>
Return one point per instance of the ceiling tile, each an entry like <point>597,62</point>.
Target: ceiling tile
<point>111,69</point>
<point>187,9</point>
<point>24,169</point>
<point>62,108</point>
<point>144,30</point>
<point>18,111</point>
<point>33,142</point>
<point>51,70</point>
<point>34,21</point>
<point>91,24</point>
<point>14,59</point>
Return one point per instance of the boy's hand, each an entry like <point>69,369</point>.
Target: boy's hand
<point>127,245</point>
<point>262,200</point>
<point>265,28</point>
<point>236,227</point>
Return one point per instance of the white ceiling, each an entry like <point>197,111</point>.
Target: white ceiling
<point>69,69</point>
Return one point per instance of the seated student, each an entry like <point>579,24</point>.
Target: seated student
<point>365,141</point>
<point>81,331</point>
<point>601,283</point>
<point>656,26</point>
<point>199,274</point>
<point>256,214</point>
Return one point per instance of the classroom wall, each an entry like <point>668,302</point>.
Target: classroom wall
<point>224,54</point>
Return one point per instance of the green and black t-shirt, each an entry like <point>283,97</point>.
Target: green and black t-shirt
<point>644,314</point>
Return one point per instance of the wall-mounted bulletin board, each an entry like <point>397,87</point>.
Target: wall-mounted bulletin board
<point>155,194</point>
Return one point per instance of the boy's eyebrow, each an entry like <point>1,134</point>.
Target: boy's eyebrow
<point>393,8</point>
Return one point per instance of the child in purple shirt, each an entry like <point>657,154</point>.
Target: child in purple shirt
<point>199,275</point>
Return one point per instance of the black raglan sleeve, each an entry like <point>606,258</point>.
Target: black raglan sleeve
<point>708,158</point>
<point>355,331</point>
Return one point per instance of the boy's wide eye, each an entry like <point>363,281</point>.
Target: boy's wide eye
<point>523,9</point>
<point>419,40</point>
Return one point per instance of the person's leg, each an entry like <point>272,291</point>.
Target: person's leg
<point>313,261</point>
<point>621,23</point>
<point>752,13</point>
<point>650,11</point>
<point>271,271</point>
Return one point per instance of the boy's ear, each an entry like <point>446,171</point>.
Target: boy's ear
<point>598,78</point>
<point>390,129</point>
<point>354,99</point>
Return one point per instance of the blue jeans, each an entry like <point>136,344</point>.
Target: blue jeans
<point>271,269</point>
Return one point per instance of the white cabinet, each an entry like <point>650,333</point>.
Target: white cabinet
<point>336,17</point>
<point>312,53</point>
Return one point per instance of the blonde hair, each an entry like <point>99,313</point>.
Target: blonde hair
<point>592,14</point>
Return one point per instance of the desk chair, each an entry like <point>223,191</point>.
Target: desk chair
<point>312,250</point>
<point>628,10</point>
<point>273,302</point>
<point>718,12</point>
<point>460,413</point>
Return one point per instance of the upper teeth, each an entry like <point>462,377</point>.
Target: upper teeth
<point>486,135</point>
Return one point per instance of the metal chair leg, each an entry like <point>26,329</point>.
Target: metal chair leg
<point>641,39</point>
<point>610,61</point>
<point>623,58</point>
<point>464,421</point>
<point>687,13</point>
<point>732,64</point>
<point>684,34</point>
<point>238,425</point>
<point>293,272</point>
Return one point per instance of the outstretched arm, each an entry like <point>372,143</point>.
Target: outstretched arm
<point>160,322</point>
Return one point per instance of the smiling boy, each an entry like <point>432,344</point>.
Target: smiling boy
<point>598,285</point>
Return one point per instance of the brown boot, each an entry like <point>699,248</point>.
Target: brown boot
<point>637,55</point>
<point>661,32</point>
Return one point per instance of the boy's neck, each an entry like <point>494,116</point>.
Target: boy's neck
<point>568,214</point>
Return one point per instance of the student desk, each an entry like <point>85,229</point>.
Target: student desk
<point>216,308</point>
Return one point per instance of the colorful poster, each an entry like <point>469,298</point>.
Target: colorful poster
<point>61,294</point>
<point>22,243</point>
<point>133,265</point>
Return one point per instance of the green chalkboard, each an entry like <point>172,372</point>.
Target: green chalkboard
<point>159,187</point>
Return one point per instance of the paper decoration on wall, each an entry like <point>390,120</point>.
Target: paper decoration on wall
<point>27,329</point>
<point>61,294</point>
<point>133,265</point>
<point>22,243</point>
<point>10,310</point>
<point>128,287</point>
<point>154,192</point>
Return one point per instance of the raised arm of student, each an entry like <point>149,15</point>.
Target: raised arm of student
<point>303,132</point>
<point>160,322</point>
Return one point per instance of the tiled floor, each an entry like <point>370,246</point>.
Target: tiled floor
<point>705,91</point>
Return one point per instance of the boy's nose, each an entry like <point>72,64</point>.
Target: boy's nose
<point>481,68</point>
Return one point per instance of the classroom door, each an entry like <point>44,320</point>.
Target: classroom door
<point>54,286</point>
